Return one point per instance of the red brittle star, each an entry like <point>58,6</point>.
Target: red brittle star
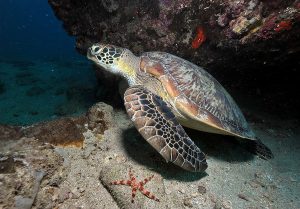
<point>136,186</point>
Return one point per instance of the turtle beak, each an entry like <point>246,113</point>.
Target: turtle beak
<point>91,56</point>
<point>89,53</point>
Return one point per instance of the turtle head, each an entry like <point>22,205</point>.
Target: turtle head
<point>115,59</point>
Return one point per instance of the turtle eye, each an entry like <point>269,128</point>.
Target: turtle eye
<point>96,49</point>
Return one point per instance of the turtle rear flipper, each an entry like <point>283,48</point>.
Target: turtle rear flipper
<point>158,125</point>
<point>258,148</point>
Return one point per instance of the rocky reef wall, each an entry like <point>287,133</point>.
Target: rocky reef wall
<point>250,46</point>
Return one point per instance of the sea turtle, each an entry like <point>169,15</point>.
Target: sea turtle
<point>165,92</point>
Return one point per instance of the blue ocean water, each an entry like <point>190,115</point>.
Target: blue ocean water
<point>41,74</point>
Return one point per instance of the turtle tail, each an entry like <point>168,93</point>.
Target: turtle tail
<point>258,148</point>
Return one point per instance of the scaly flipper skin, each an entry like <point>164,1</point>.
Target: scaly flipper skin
<point>158,125</point>
<point>132,182</point>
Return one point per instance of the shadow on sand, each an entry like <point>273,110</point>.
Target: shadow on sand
<point>224,148</point>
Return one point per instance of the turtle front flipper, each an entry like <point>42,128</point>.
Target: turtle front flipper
<point>158,125</point>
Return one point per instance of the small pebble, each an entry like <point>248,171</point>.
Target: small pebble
<point>213,198</point>
<point>242,196</point>
<point>75,195</point>
<point>168,192</point>
<point>253,184</point>
<point>226,204</point>
<point>50,191</point>
<point>201,189</point>
<point>63,195</point>
<point>188,202</point>
<point>182,191</point>
<point>121,159</point>
<point>218,204</point>
<point>257,175</point>
<point>3,158</point>
<point>107,159</point>
<point>55,196</point>
<point>194,195</point>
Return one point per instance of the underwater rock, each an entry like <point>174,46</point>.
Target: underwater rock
<point>7,164</point>
<point>66,131</point>
<point>100,118</point>
<point>161,25</point>
<point>25,202</point>
<point>32,163</point>
<point>27,157</point>
<point>61,132</point>
<point>201,189</point>
<point>188,202</point>
<point>10,132</point>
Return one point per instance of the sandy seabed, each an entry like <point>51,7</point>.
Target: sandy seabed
<point>36,173</point>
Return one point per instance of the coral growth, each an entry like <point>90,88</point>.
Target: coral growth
<point>166,25</point>
<point>283,25</point>
<point>199,39</point>
<point>62,132</point>
<point>253,20</point>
